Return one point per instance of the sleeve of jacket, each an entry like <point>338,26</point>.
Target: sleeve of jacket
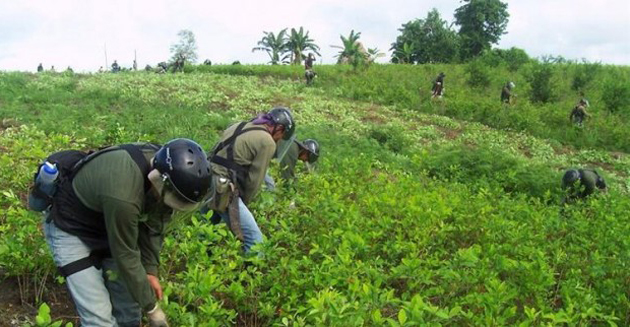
<point>150,243</point>
<point>262,156</point>
<point>121,222</point>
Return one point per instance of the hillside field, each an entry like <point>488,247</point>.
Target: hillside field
<point>420,212</point>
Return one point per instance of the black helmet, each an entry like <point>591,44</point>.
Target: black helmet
<point>312,147</point>
<point>282,116</point>
<point>183,163</point>
<point>570,177</point>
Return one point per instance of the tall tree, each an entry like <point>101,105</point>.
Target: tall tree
<point>481,23</point>
<point>274,45</point>
<point>428,40</point>
<point>186,47</point>
<point>352,51</point>
<point>298,43</point>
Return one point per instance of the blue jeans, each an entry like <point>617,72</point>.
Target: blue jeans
<point>101,298</point>
<point>251,232</point>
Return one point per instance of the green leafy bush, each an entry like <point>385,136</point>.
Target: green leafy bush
<point>616,95</point>
<point>540,79</point>
<point>478,75</point>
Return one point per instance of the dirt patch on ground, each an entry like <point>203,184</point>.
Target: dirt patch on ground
<point>618,155</point>
<point>560,150</point>
<point>8,122</point>
<point>526,151</point>
<point>449,133</point>
<point>373,118</point>
<point>14,312</point>
<point>603,165</point>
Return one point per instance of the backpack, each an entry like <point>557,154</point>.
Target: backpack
<point>69,162</point>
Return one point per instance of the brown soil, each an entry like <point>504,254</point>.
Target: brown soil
<point>449,133</point>
<point>563,150</point>
<point>603,165</point>
<point>15,311</point>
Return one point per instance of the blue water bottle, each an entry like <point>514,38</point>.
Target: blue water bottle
<point>45,183</point>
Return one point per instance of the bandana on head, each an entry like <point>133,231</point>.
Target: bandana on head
<point>263,119</point>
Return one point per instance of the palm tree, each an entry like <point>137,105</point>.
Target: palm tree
<point>275,46</point>
<point>372,54</point>
<point>405,54</point>
<point>352,51</point>
<point>299,42</point>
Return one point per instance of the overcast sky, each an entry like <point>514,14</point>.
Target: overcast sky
<point>76,32</point>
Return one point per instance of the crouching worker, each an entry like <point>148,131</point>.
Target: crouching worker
<point>105,222</point>
<point>306,151</point>
<point>239,162</point>
<point>580,183</point>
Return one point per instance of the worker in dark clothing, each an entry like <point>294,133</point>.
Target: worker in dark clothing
<point>506,93</point>
<point>307,151</point>
<point>310,76</point>
<point>108,220</point>
<point>40,68</point>
<point>579,113</point>
<point>438,86</point>
<point>239,162</point>
<point>115,67</point>
<point>580,183</point>
<point>308,62</point>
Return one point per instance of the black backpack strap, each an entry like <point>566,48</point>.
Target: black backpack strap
<point>229,143</point>
<point>229,140</point>
<point>136,154</point>
<point>135,151</point>
<point>95,259</point>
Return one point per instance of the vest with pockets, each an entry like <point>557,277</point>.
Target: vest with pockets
<point>67,210</point>
<point>238,173</point>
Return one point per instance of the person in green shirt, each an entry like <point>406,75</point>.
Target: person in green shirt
<point>106,225</point>
<point>239,162</point>
<point>306,151</point>
<point>580,183</point>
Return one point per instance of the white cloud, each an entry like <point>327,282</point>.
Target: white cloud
<point>73,32</point>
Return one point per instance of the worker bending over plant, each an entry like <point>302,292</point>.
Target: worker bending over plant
<point>239,162</point>
<point>105,224</point>
<point>580,183</point>
<point>306,151</point>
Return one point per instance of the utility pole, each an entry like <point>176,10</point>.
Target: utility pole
<point>106,65</point>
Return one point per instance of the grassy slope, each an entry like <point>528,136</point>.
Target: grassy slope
<point>407,218</point>
<point>408,87</point>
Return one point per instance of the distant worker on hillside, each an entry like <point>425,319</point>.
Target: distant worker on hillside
<point>308,62</point>
<point>115,67</point>
<point>310,76</point>
<point>106,223</point>
<point>52,68</point>
<point>579,113</point>
<point>580,183</point>
<point>239,162</point>
<point>306,151</point>
<point>438,86</point>
<point>162,67</point>
<point>178,65</point>
<point>506,93</point>
<point>583,100</point>
<point>40,68</point>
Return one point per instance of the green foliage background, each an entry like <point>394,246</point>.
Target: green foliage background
<point>411,219</point>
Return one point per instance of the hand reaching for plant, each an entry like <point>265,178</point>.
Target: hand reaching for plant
<point>155,285</point>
